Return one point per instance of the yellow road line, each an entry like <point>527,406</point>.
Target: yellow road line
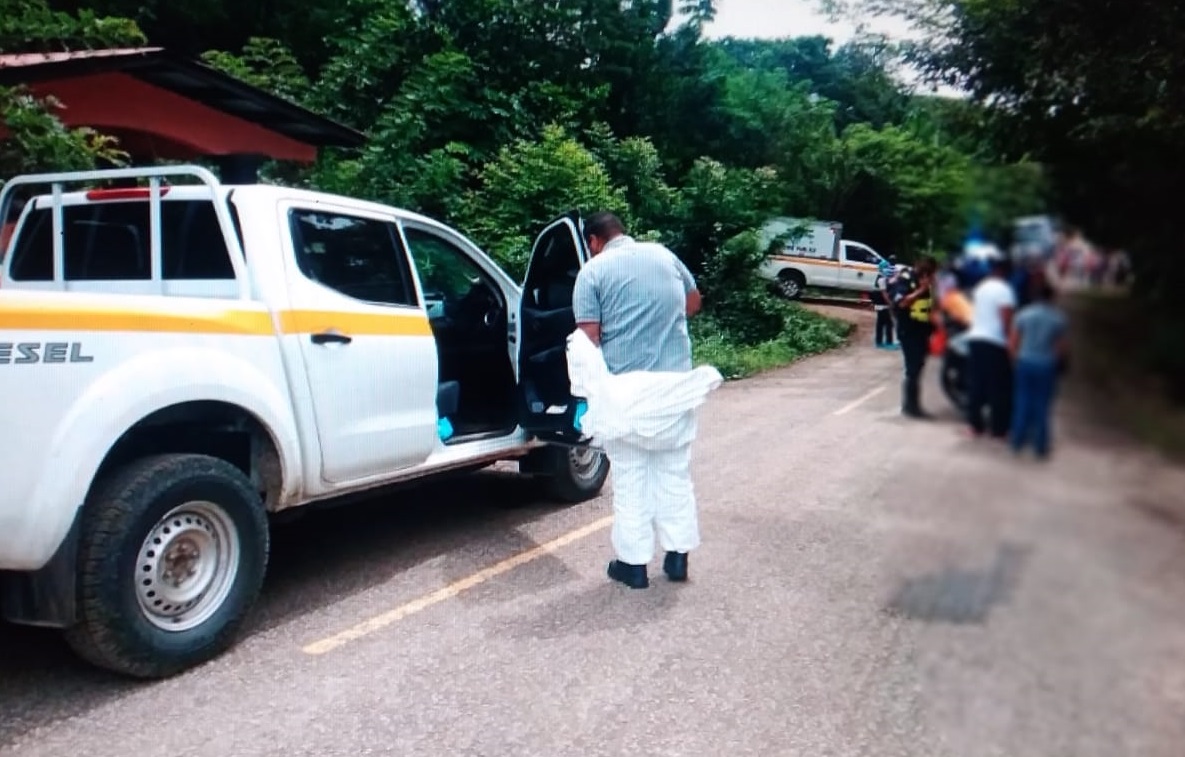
<point>853,405</point>
<point>380,622</point>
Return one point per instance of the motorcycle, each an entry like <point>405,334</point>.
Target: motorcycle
<point>955,355</point>
<point>952,345</point>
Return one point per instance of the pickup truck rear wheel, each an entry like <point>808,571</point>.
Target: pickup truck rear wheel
<point>578,474</point>
<point>791,284</point>
<point>172,557</point>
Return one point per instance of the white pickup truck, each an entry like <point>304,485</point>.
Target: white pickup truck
<point>818,258</point>
<point>181,360</point>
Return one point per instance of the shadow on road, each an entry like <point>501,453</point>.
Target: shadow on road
<point>322,557</point>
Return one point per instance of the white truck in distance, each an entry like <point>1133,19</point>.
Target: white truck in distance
<point>819,257</point>
<point>181,361</point>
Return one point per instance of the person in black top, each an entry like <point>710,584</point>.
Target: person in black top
<point>911,293</point>
<point>880,303</point>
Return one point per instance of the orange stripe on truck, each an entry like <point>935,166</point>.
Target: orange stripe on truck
<point>26,317</point>
<point>805,259</point>
<point>373,324</point>
<point>825,261</point>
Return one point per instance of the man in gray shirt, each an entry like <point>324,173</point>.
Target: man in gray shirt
<point>633,300</point>
<point>1039,345</point>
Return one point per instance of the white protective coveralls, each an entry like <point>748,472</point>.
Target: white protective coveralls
<point>645,422</point>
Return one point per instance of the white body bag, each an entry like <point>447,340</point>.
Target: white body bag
<point>650,410</point>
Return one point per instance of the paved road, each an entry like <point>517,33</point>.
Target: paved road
<point>867,586</point>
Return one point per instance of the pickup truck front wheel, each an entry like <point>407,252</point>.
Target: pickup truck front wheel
<point>172,557</point>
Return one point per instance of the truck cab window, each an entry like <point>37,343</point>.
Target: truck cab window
<point>360,258</point>
<point>446,272</point>
<point>110,241</point>
<point>860,255</point>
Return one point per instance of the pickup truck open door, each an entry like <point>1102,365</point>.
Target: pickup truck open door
<point>548,409</point>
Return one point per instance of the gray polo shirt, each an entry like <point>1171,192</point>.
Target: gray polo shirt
<point>1040,326</point>
<point>637,292</point>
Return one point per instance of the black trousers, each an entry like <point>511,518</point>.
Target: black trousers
<point>884,327</point>
<point>989,386</point>
<point>915,346</point>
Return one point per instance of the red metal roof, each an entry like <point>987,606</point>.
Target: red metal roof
<point>191,79</point>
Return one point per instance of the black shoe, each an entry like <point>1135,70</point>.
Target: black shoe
<point>675,566</point>
<point>911,401</point>
<point>633,576</point>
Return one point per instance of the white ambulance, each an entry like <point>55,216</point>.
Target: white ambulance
<point>816,255</point>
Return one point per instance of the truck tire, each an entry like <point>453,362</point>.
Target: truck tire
<point>172,556</point>
<point>791,284</point>
<point>575,475</point>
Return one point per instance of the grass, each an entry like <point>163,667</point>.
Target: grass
<point>839,294</point>
<point>805,334</point>
<point>1110,336</point>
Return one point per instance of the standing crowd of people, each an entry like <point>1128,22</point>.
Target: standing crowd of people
<point>1017,337</point>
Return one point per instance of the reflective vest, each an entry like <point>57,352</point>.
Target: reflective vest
<point>920,310</point>
<point>904,284</point>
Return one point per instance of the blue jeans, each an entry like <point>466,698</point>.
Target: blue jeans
<point>1034,390</point>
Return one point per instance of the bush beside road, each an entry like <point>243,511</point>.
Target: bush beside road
<point>806,333</point>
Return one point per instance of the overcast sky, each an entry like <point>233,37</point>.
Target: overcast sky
<point>788,18</point>
<point>774,19</point>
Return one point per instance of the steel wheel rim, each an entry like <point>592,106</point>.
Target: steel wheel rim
<point>186,566</point>
<point>789,286</point>
<point>585,463</point>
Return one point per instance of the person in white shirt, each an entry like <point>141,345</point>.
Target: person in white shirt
<point>990,368</point>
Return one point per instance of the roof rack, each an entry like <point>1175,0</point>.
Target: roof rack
<point>154,174</point>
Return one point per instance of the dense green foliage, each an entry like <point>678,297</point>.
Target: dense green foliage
<point>497,115</point>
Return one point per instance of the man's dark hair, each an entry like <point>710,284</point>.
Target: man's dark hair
<point>927,265</point>
<point>1044,292</point>
<point>603,225</point>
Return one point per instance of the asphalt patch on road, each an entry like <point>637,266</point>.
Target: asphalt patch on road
<point>959,596</point>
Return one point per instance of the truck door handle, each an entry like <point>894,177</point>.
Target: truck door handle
<point>330,337</point>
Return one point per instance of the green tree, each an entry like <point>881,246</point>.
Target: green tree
<point>908,191</point>
<point>527,185</point>
<point>856,76</point>
<point>635,165</point>
<point>268,64</point>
